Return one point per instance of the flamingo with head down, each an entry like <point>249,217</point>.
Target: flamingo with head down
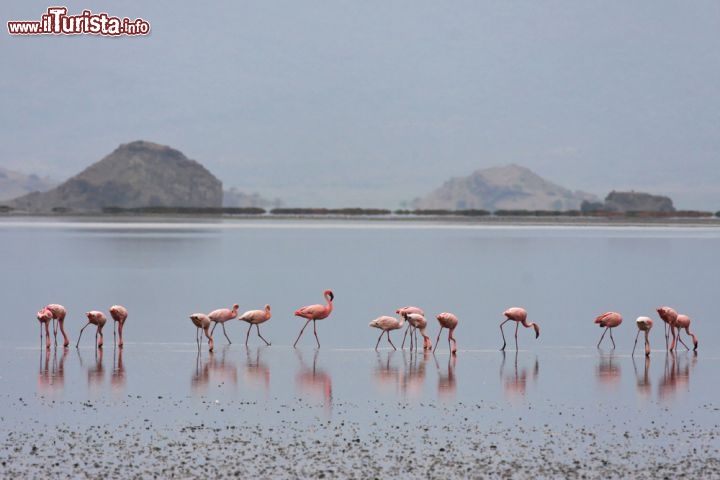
<point>518,315</point>
<point>97,318</point>
<point>314,313</point>
<point>449,321</point>
<point>417,322</point>
<point>58,313</point>
<point>668,315</point>
<point>45,316</point>
<point>202,321</point>
<point>119,315</point>
<point>683,321</point>
<point>608,321</point>
<point>644,324</point>
<point>408,309</point>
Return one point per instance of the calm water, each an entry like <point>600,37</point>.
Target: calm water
<point>163,271</point>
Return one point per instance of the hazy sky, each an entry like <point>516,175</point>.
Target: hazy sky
<point>368,103</point>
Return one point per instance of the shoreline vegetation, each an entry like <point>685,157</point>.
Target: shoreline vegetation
<point>474,216</point>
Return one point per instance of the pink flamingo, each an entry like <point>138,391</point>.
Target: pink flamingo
<point>417,322</point>
<point>96,318</point>
<point>644,324</point>
<point>202,321</point>
<point>608,321</point>
<point>314,313</point>
<point>222,315</point>
<point>45,316</point>
<point>449,321</point>
<point>387,323</point>
<point>256,317</point>
<point>119,314</point>
<point>683,321</point>
<point>408,309</point>
<point>58,313</point>
<point>668,315</point>
<point>518,315</point>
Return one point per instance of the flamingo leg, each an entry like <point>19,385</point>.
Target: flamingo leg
<point>213,328</point>
<point>80,336</point>
<point>517,325</point>
<point>391,343</point>
<point>635,345</point>
<point>667,346</point>
<point>315,332</point>
<point>602,336</point>
<point>680,340</point>
<point>263,338</point>
<point>405,336</point>
<point>451,336</point>
<point>502,349</point>
<point>647,343</point>
<point>114,335</point>
<point>379,338</point>
<point>301,332</point>
<point>247,336</point>
<point>54,330</point>
<point>197,337</point>
<point>99,337</point>
<point>66,340</point>
<point>438,339</point>
<point>211,342</point>
<point>612,339</point>
<point>225,333</point>
<point>47,335</point>
<point>120,329</point>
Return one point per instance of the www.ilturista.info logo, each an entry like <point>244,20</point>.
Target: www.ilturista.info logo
<point>57,22</point>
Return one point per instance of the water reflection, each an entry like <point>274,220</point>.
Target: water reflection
<point>676,375</point>
<point>201,374</point>
<point>217,367</point>
<point>314,380</point>
<point>515,382</point>
<point>117,380</point>
<point>642,382</point>
<point>95,371</point>
<point>415,371</point>
<point>51,376</point>
<point>447,385</point>
<point>608,372</point>
<point>387,376</point>
<point>256,371</point>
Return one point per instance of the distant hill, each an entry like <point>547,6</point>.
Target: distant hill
<point>631,202</point>
<point>14,184</point>
<point>511,187</point>
<point>137,174</point>
<point>236,198</point>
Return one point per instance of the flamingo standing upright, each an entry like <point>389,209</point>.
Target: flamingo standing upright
<point>222,315</point>
<point>668,315</point>
<point>202,321</point>
<point>119,315</point>
<point>44,316</point>
<point>518,315</point>
<point>58,313</point>
<point>256,317</point>
<point>314,313</point>
<point>644,324</point>
<point>683,321</point>
<point>408,309</point>
<point>387,323</point>
<point>449,321</point>
<point>608,321</point>
<point>97,318</point>
<point>417,322</point>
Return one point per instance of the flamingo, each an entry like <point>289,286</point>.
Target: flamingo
<point>96,318</point>
<point>387,323</point>
<point>45,316</point>
<point>222,315</point>
<point>58,313</point>
<point>449,321</point>
<point>608,320</point>
<point>256,317</point>
<point>417,322</point>
<point>518,315</point>
<point>119,314</point>
<point>408,309</point>
<point>668,315</point>
<point>683,321</point>
<point>314,313</point>
<point>202,321</point>
<point>644,324</point>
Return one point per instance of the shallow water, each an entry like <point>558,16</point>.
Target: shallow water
<point>559,397</point>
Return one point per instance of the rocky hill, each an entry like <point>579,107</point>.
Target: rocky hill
<point>631,202</point>
<point>13,184</point>
<point>137,174</point>
<point>502,188</point>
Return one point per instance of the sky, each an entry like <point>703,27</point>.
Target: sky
<point>373,103</point>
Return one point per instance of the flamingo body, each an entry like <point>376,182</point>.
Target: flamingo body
<point>608,321</point>
<point>386,324</point>
<point>222,315</point>
<point>314,313</point>
<point>256,317</point>
<point>668,315</point>
<point>119,314</point>
<point>449,321</point>
<point>683,322</point>
<point>518,315</point>
<point>45,316</point>
<point>202,322</point>
<point>417,321</point>
<point>58,313</point>
<point>408,309</point>
<point>644,324</point>
<point>97,318</point>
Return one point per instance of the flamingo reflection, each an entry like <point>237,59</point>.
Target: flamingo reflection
<point>515,383</point>
<point>386,375</point>
<point>51,376</point>
<point>415,370</point>
<point>447,385</point>
<point>676,375</point>
<point>314,380</point>
<point>201,374</point>
<point>96,371</point>
<point>256,371</point>
<point>117,379</point>
<point>608,372</point>
<point>642,382</point>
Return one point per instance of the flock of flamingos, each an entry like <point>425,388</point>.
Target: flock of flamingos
<point>414,316</point>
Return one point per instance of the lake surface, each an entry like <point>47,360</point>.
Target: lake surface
<point>559,401</point>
